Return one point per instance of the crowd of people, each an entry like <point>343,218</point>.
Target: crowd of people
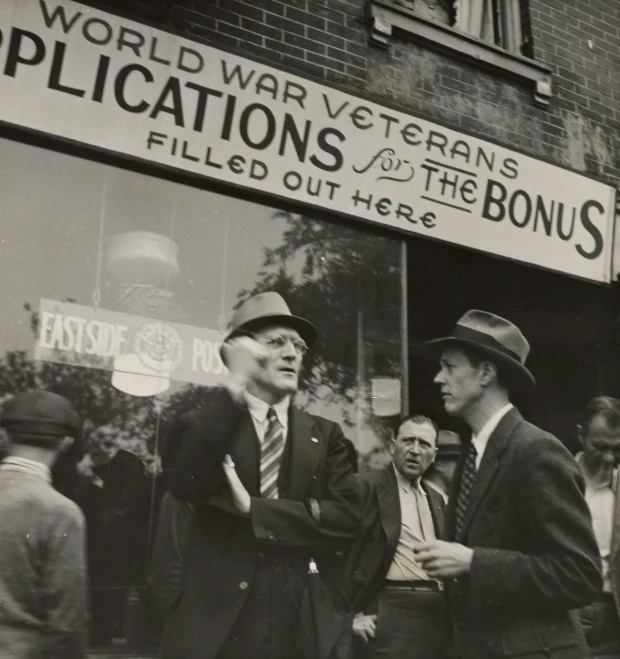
<point>270,546</point>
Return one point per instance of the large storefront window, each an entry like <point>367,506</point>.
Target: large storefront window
<point>117,289</point>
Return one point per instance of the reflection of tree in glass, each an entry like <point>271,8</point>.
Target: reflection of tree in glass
<point>348,283</point>
<point>112,419</point>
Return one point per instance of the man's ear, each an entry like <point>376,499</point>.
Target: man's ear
<point>488,373</point>
<point>392,445</point>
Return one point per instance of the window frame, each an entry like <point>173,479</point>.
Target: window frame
<point>387,18</point>
<point>49,142</point>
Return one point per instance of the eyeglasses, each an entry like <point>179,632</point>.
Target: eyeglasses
<point>278,342</point>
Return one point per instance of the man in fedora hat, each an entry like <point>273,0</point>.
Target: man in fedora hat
<point>522,552</point>
<point>42,545</point>
<point>282,498</point>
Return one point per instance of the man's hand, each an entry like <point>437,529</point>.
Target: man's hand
<point>244,358</point>
<point>442,560</point>
<point>237,500</point>
<point>364,626</point>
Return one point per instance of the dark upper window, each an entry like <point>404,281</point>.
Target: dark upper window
<point>490,34</point>
<point>500,22</point>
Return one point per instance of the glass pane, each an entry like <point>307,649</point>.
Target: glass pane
<point>119,287</point>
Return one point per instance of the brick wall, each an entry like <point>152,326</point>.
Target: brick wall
<point>579,39</point>
<point>580,127</point>
<point>324,38</point>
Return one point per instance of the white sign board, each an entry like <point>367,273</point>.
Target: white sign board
<point>88,76</point>
<point>101,338</point>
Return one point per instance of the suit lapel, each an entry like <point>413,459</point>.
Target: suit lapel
<point>489,466</point>
<point>245,452</point>
<point>389,511</point>
<point>305,446</point>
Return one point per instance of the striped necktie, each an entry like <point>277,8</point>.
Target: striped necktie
<point>468,478</point>
<point>271,456</point>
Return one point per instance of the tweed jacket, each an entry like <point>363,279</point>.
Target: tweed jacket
<point>223,549</point>
<point>535,556</point>
<point>371,555</point>
<point>43,608</point>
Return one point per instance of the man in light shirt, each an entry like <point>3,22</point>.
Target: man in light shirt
<point>522,552</point>
<point>401,611</point>
<point>599,433</point>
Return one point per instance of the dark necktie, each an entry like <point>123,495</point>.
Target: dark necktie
<point>468,478</point>
<point>271,456</point>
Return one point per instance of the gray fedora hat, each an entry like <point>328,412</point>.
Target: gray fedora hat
<point>499,340</point>
<point>268,309</point>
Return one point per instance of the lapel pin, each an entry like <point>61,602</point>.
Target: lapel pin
<point>315,440</point>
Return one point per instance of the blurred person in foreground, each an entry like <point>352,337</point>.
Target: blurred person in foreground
<point>599,433</point>
<point>522,551</point>
<point>42,537</point>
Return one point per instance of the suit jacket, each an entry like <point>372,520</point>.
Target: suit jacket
<point>535,556</point>
<point>223,549</point>
<point>165,568</point>
<point>43,611</point>
<point>371,555</point>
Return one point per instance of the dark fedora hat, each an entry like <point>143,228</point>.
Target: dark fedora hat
<point>266,309</point>
<point>499,340</point>
<point>40,417</point>
<point>449,443</point>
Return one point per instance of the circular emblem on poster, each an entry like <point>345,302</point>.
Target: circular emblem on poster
<point>159,347</point>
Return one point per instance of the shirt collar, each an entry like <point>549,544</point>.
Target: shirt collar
<point>259,408</point>
<point>406,484</point>
<point>481,440</point>
<point>27,466</point>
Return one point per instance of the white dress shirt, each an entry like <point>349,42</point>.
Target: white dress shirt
<point>416,525</point>
<point>601,502</point>
<point>481,440</point>
<point>258,410</point>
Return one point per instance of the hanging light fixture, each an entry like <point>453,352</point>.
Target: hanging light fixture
<point>132,377</point>
<point>143,263</point>
<point>386,396</point>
